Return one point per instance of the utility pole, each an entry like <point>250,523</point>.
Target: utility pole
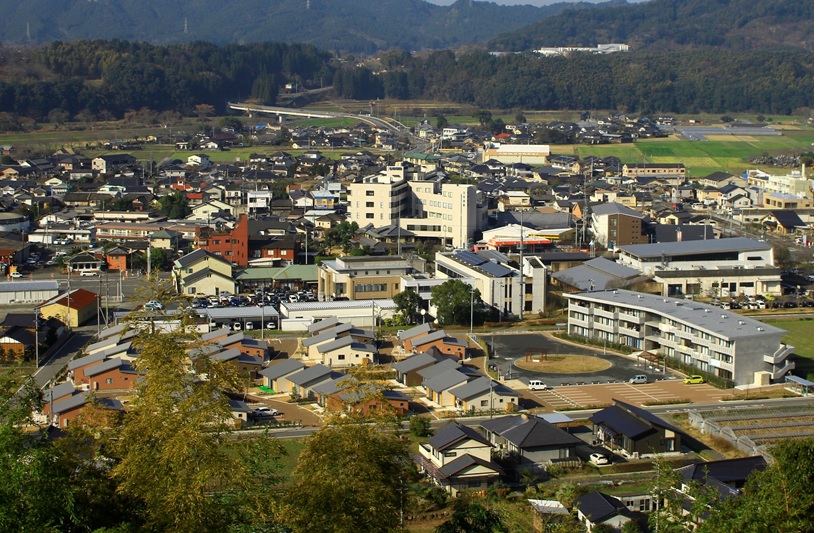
<point>37,337</point>
<point>522,279</point>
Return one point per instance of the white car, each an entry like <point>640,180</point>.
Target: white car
<point>265,412</point>
<point>89,273</point>
<point>16,274</point>
<point>154,305</point>
<point>598,459</point>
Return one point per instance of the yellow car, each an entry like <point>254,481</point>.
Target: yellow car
<point>693,380</point>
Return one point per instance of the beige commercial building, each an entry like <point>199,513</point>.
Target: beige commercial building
<point>428,208</point>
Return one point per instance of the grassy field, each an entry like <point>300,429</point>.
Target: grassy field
<point>800,336</point>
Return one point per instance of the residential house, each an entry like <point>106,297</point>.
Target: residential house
<point>596,508</point>
<point>530,441</point>
<point>73,308</point>
<point>726,478</point>
<point>484,394</point>
<point>201,272</point>
<point>407,370</point>
<point>784,222</point>
<point>458,458</point>
<point>275,376</point>
<point>635,432</point>
<point>111,374</point>
<point>301,383</point>
<point>441,341</point>
<point>246,365</point>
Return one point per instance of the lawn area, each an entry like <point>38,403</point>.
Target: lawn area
<point>293,448</point>
<point>800,336</point>
<point>564,364</point>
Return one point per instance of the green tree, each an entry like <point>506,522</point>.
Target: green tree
<point>420,426</point>
<point>48,485</point>
<point>441,122</point>
<point>472,517</point>
<point>452,298</point>
<point>408,302</point>
<point>231,122</point>
<point>342,235</point>
<point>778,499</point>
<point>174,205</point>
<point>174,452</point>
<point>484,116</point>
<point>350,477</point>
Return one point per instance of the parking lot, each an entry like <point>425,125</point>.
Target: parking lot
<point>582,396</point>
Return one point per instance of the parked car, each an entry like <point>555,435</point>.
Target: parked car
<point>265,412</point>
<point>16,274</point>
<point>154,305</point>
<point>237,326</point>
<point>598,459</point>
<point>694,380</point>
<point>536,384</point>
<point>89,273</point>
<point>638,379</point>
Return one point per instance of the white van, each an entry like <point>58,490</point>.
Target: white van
<point>536,384</point>
<point>638,379</point>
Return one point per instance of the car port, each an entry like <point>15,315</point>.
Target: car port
<point>248,318</point>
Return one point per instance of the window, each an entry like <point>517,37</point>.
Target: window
<point>450,454</point>
<point>341,357</point>
<point>484,403</point>
<point>370,193</point>
<point>370,215</point>
<point>109,381</point>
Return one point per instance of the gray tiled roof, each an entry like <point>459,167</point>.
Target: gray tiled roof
<point>438,368</point>
<point>283,368</point>
<point>479,387</point>
<point>310,374</point>
<point>417,361</point>
<point>445,381</point>
<point>414,331</point>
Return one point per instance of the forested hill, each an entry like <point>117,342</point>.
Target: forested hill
<point>347,25</point>
<point>670,24</point>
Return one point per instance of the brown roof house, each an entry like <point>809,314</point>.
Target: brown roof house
<point>73,308</point>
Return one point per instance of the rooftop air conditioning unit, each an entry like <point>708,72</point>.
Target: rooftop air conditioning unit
<point>723,316</point>
<point>741,322</point>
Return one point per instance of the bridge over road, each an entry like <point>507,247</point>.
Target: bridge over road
<point>395,127</point>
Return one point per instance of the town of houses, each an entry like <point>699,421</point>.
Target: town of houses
<point>644,254</point>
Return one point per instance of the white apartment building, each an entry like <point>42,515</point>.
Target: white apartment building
<point>710,339</point>
<point>796,183</point>
<point>429,209</point>
<point>714,267</point>
<point>498,281</point>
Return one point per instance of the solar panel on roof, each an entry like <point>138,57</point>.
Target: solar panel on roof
<point>470,258</point>
<point>495,269</point>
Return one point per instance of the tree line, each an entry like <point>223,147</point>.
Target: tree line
<point>90,80</point>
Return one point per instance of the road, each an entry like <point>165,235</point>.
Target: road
<point>65,352</point>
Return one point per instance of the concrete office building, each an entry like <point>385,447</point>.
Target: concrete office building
<point>712,340</point>
<point>428,208</point>
<point>498,281</point>
<point>714,267</point>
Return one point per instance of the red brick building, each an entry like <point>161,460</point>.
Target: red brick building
<point>231,246</point>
